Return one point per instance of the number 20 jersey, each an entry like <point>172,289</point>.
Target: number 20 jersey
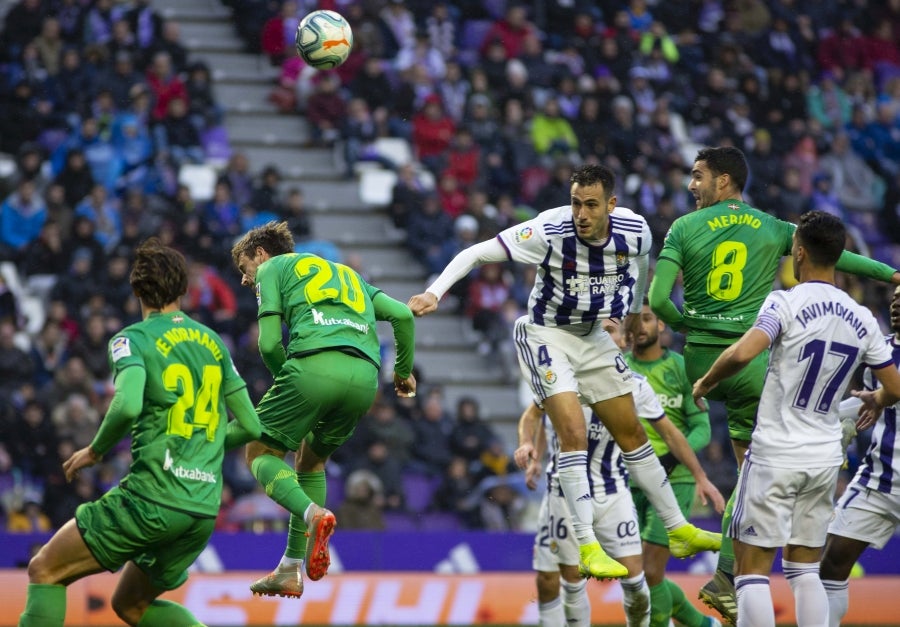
<point>819,336</point>
<point>728,254</point>
<point>325,305</point>
<point>177,442</point>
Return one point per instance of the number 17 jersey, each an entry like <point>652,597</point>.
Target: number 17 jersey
<point>728,254</point>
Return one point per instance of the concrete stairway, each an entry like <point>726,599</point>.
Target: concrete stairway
<point>445,346</point>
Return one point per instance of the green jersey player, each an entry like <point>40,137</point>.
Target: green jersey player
<point>325,381</point>
<point>174,379</point>
<point>728,254</point>
<point>664,370</point>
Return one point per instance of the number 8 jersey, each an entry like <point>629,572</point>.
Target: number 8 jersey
<point>819,335</point>
<point>728,254</point>
<point>178,441</point>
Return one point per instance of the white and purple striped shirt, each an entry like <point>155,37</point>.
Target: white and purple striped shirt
<point>606,469</point>
<point>580,283</point>
<point>819,335</point>
<point>880,468</point>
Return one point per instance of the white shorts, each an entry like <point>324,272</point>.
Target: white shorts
<point>554,360</point>
<point>554,543</point>
<point>866,515</point>
<point>774,507</point>
<point>615,525</point>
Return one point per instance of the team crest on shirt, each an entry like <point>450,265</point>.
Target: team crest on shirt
<point>550,377</point>
<point>258,295</point>
<point>621,259</point>
<point>120,348</point>
<point>524,234</point>
<point>554,547</point>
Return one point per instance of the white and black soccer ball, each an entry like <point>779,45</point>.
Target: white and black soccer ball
<point>324,39</point>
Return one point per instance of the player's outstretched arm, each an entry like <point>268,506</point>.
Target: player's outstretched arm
<point>863,266</point>
<point>124,408</point>
<point>731,361</point>
<point>874,401</point>
<point>528,428</point>
<point>681,449</point>
<point>404,325</point>
<point>245,428</point>
<point>660,295</point>
<point>476,255</point>
<point>270,347</point>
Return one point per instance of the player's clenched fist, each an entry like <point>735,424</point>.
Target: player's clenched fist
<point>422,304</point>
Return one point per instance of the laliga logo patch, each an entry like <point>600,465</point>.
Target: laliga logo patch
<point>550,377</point>
<point>524,234</point>
<point>120,348</point>
<point>258,296</point>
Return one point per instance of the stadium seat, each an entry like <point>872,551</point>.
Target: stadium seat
<point>419,491</point>
<point>399,521</point>
<point>439,521</point>
<point>200,179</point>
<point>396,149</point>
<point>376,187</point>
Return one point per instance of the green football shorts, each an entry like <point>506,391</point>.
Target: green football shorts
<point>120,527</point>
<point>320,398</point>
<point>652,528</point>
<point>740,393</point>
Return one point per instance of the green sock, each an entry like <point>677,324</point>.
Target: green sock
<point>660,605</point>
<point>315,486</point>
<point>682,611</point>
<point>280,483</point>
<point>45,606</point>
<point>168,614</point>
<point>726,553</point>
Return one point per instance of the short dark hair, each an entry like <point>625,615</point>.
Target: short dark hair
<point>593,174</point>
<point>822,236</point>
<point>726,160</point>
<point>273,237</point>
<point>159,274</point>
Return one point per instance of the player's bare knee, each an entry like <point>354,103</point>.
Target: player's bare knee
<point>38,569</point>
<point>127,610</point>
<point>547,586</point>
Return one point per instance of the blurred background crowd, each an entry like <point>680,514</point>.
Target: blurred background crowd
<point>101,107</point>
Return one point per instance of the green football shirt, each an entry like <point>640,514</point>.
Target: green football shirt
<point>178,441</point>
<point>325,305</point>
<point>669,380</point>
<point>729,254</point>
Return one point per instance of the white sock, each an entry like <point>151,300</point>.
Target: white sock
<point>838,593</point>
<point>636,601</point>
<point>648,474</point>
<point>754,601</point>
<point>573,479</point>
<point>289,561</point>
<point>551,614</point>
<point>576,604</point>
<point>810,600</point>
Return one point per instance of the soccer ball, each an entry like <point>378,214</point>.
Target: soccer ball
<point>324,39</point>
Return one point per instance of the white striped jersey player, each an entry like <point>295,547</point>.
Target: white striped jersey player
<point>880,468</point>
<point>869,509</point>
<point>615,520</point>
<point>577,282</point>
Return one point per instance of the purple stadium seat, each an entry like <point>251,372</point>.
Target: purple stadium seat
<point>419,490</point>
<point>439,521</point>
<point>399,521</point>
<point>335,487</point>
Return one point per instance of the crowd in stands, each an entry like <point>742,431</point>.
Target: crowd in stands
<point>101,105</point>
